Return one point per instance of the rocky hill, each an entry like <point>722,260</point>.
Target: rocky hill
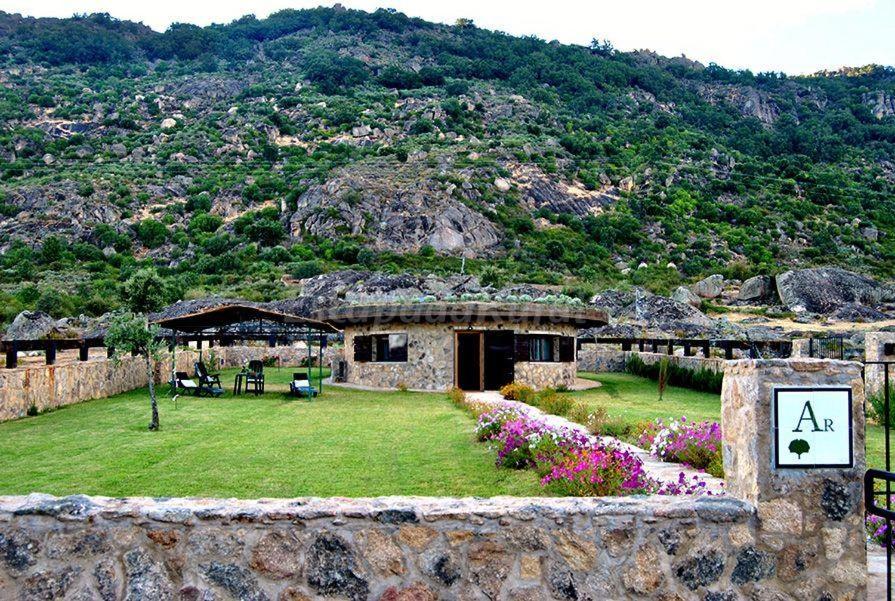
<point>238,158</point>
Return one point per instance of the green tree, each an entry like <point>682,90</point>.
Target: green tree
<point>152,233</point>
<point>146,291</point>
<point>131,333</point>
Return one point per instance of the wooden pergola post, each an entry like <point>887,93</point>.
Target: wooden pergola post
<point>12,355</point>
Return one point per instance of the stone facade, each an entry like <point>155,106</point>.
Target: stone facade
<point>71,381</point>
<point>546,375</point>
<point>430,357</point>
<point>874,343</point>
<point>811,535</point>
<point>592,358</point>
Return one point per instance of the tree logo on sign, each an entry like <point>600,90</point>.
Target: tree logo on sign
<point>799,447</point>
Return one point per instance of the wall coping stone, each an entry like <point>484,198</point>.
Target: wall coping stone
<point>397,510</point>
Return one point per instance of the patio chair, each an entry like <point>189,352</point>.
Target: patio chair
<point>301,385</point>
<point>255,377</point>
<point>183,382</point>
<point>206,378</point>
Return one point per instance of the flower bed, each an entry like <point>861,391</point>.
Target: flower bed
<point>697,444</point>
<point>569,461</point>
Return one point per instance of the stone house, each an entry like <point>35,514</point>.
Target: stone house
<point>470,345</point>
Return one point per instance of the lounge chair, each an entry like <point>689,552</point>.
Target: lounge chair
<point>255,377</point>
<point>189,386</point>
<point>301,385</point>
<point>206,378</point>
<point>184,383</point>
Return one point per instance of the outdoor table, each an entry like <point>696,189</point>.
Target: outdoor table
<point>238,382</point>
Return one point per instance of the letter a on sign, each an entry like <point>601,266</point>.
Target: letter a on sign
<point>813,428</point>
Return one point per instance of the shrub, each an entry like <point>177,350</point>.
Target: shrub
<point>550,402</point>
<point>306,269</point>
<point>616,427</point>
<point>579,412</point>
<point>457,397</point>
<point>518,392</point>
<point>152,233</point>
<point>876,409</point>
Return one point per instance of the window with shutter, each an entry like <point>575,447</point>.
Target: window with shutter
<point>363,348</point>
<point>390,348</point>
<point>521,347</point>
<point>566,349</point>
<point>541,348</point>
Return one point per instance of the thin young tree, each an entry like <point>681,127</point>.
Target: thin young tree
<point>131,333</point>
<point>664,364</point>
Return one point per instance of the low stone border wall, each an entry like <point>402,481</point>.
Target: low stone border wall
<point>52,386</point>
<point>594,359</point>
<point>391,549</point>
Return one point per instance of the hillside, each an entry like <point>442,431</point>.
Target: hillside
<point>238,157</point>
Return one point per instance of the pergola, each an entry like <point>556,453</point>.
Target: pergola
<point>226,321</point>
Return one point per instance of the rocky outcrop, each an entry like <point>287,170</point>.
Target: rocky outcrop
<point>538,191</point>
<point>55,209</point>
<point>710,287</point>
<point>759,289</point>
<point>650,311</point>
<point>686,296</point>
<point>825,290</point>
<point>393,206</point>
<point>880,103</point>
<point>856,313</point>
<point>749,101</point>
<point>31,325</point>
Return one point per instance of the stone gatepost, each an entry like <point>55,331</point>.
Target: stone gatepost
<point>801,347</point>
<point>809,515</point>
<point>874,350</point>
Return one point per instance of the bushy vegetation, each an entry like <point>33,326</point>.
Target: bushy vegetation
<point>690,179</point>
<point>701,379</point>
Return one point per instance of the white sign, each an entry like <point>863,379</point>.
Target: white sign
<point>813,428</point>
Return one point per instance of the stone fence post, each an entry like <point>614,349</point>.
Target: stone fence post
<point>874,350</point>
<point>801,348</point>
<point>809,529</point>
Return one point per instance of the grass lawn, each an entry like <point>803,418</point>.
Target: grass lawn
<point>344,443</point>
<point>635,399</point>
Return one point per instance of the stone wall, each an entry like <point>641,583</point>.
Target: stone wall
<point>430,358</point>
<point>72,381</point>
<point>384,549</point>
<point>51,386</point>
<point>875,374</point>
<point>593,358</point>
